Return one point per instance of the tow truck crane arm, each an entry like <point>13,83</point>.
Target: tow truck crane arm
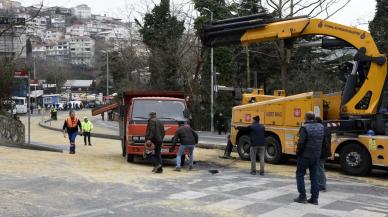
<point>362,101</point>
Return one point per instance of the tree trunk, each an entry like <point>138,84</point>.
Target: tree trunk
<point>283,64</point>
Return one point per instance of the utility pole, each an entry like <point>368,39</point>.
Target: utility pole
<point>211,79</point>
<point>29,109</point>
<point>248,70</point>
<point>107,73</point>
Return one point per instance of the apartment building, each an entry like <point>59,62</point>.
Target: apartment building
<point>82,11</point>
<point>82,50</point>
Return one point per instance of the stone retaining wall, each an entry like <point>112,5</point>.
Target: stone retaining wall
<point>11,131</point>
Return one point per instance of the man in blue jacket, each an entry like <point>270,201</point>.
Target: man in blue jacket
<point>308,152</point>
<point>257,135</point>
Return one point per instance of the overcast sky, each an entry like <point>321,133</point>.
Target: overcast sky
<point>358,11</point>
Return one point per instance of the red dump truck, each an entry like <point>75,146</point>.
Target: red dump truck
<point>134,108</point>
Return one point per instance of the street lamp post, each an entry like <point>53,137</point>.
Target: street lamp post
<point>107,73</point>
<point>107,70</point>
<point>211,79</point>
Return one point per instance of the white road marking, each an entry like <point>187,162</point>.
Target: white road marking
<point>231,204</point>
<point>187,195</point>
<point>270,193</point>
<point>362,213</point>
<point>88,212</point>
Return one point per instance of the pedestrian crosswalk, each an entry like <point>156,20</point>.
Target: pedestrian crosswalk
<point>273,196</point>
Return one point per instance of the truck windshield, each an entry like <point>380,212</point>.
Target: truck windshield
<point>165,109</point>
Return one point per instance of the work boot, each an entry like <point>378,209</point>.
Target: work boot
<point>159,170</point>
<point>300,199</point>
<point>156,168</point>
<point>313,201</point>
<point>177,169</point>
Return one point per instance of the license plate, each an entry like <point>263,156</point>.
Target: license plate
<point>165,150</point>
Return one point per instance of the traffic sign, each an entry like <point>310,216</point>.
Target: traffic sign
<point>21,74</point>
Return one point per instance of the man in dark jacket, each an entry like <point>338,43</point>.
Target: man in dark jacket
<point>155,133</point>
<point>257,135</point>
<point>188,138</point>
<point>308,153</point>
<point>326,153</point>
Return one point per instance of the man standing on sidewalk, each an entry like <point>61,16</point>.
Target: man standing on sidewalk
<point>256,134</point>
<point>308,153</point>
<point>326,153</point>
<point>155,133</point>
<point>71,127</point>
<point>188,138</point>
<point>87,127</point>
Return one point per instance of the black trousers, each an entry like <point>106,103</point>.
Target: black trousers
<point>157,157</point>
<point>87,134</point>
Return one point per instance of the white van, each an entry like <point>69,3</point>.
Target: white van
<point>20,104</point>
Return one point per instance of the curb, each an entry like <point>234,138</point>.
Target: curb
<point>107,136</point>
<point>33,147</point>
<point>97,135</point>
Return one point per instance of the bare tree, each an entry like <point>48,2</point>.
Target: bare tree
<point>9,33</point>
<point>291,8</point>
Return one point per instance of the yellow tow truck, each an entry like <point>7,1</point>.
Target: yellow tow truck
<point>361,107</point>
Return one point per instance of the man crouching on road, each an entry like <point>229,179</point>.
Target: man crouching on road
<point>155,134</point>
<point>188,138</point>
<point>308,153</point>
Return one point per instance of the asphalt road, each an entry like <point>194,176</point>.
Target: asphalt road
<point>228,193</point>
<point>97,181</point>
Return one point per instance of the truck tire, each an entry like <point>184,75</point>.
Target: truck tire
<point>130,158</point>
<point>355,160</point>
<point>273,151</point>
<point>243,147</point>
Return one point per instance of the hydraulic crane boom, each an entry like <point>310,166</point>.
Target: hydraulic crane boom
<point>361,97</point>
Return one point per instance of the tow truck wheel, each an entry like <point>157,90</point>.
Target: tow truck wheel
<point>273,152</point>
<point>130,158</point>
<point>243,147</point>
<point>355,160</point>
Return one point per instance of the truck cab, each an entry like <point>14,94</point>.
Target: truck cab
<point>134,108</point>
<point>169,111</point>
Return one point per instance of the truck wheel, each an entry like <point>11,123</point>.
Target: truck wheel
<point>243,147</point>
<point>355,160</point>
<point>273,151</point>
<point>130,158</point>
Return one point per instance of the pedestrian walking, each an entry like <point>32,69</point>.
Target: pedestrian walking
<point>326,153</point>
<point>155,134</point>
<point>308,152</point>
<point>103,116</point>
<point>220,123</point>
<point>87,127</point>
<point>71,126</point>
<point>257,135</point>
<point>188,138</point>
<point>39,109</point>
